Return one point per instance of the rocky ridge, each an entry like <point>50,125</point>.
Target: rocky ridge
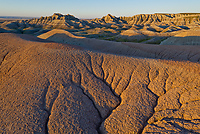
<point>164,19</point>
<point>58,19</point>
<point>146,28</point>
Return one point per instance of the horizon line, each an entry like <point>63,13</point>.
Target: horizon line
<point>10,16</point>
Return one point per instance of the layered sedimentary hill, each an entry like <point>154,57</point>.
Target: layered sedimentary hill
<point>110,19</point>
<point>69,21</point>
<point>56,20</point>
<point>142,19</point>
<point>145,28</point>
<point>48,87</point>
<point>176,19</point>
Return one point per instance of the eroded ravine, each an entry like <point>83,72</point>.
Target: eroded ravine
<point>69,91</point>
<point>159,83</point>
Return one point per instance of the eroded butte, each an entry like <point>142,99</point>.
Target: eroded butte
<point>48,87</point>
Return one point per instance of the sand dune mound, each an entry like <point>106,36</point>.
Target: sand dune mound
<point>64,89</point>
<point>191,37</point>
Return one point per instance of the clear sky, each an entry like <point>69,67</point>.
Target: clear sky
<point>95,8</point>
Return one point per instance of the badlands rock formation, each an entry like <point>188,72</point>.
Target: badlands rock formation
<point>146,28</point>
<point>160,19</point>
<point>48,87</point>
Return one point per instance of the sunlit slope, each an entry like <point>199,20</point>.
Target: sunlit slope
<point>191,37</point>
<point>48,87</point>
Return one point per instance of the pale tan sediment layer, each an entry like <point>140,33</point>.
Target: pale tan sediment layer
<point>48,87</point>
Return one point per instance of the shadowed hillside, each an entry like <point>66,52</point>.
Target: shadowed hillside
<point>191,53</point>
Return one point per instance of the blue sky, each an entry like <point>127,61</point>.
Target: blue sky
<point>95,8</point>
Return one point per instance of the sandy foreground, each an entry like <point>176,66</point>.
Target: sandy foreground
<point>48,87</point>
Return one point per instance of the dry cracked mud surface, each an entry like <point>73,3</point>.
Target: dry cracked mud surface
<point>48,87</point>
